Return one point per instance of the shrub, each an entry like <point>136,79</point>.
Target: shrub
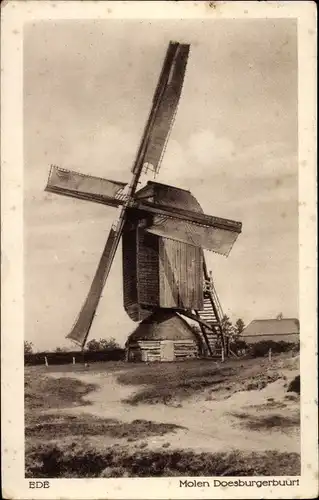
<point>294,385</point>
<point>76,461</point>
<point>261,348</point>
<point>62,358</point>
<point>238,346</point>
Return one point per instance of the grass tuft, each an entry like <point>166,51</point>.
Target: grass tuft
<point>41,392</point>
<point>50,425</point>
<point>267,422</point>
<point>173,381</point>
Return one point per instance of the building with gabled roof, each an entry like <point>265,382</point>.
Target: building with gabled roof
<point>278,330</point>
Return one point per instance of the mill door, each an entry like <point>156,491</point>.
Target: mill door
<point>167,350</point>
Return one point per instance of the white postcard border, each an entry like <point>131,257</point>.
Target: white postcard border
<point>14,15</point>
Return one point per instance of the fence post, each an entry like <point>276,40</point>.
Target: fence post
<point>223,355</point>
<point>46,361</point>
<point>269,354</point>
<point>73,360</point>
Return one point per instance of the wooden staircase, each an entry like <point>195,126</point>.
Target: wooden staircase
<point>212,314</point>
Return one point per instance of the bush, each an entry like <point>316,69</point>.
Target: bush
<point>260,349</point>
<point>239,347</point>
<point>294,385</point>
<point>76,461</point>
<point>63,358</point>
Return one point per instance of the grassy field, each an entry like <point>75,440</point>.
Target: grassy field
<point>165,381</point>
<point>180,381</point>
<point>82,422</point>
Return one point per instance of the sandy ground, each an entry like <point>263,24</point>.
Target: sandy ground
<point>210,425</point>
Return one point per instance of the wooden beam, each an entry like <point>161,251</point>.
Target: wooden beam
<point>95,198</point>
<point>180,213</point>
<point>190,315</point>
<point>204,334</point>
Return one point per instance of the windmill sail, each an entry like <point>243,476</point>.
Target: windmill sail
<point>177,215</point>
<point>212,238</point>
<point>83,323</point>
<point>85,187</point>
<point>176,212</point>
<point>167,94</point>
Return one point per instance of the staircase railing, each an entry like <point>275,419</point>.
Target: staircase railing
<point>215,302</point>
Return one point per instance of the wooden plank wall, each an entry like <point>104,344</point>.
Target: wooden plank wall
<point>150,350</point>
<point>147,268</point>
<point>129,274</point>
<point>181,275</point>
<point>185,349</point>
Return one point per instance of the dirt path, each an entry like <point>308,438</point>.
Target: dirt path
<point>209,425</point>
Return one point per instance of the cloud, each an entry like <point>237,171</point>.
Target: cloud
<point>105,151</point>
<point>267,160</point>
<point>195,157</point>
<point>205,156</point>
<point>207,149</point>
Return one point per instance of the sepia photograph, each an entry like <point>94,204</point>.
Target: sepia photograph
<point>183,275</point>
<point>162,322</point>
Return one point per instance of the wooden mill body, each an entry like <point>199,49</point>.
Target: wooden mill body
<point>159,272</point>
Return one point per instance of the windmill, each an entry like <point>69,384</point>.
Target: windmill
<point>164,229</point>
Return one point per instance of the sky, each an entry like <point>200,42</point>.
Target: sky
<point>88,87</point>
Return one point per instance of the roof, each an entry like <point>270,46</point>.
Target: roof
<point>163,325</point>
<point>154,183</point>
<point>172,196</point>
<point>271,327</point>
